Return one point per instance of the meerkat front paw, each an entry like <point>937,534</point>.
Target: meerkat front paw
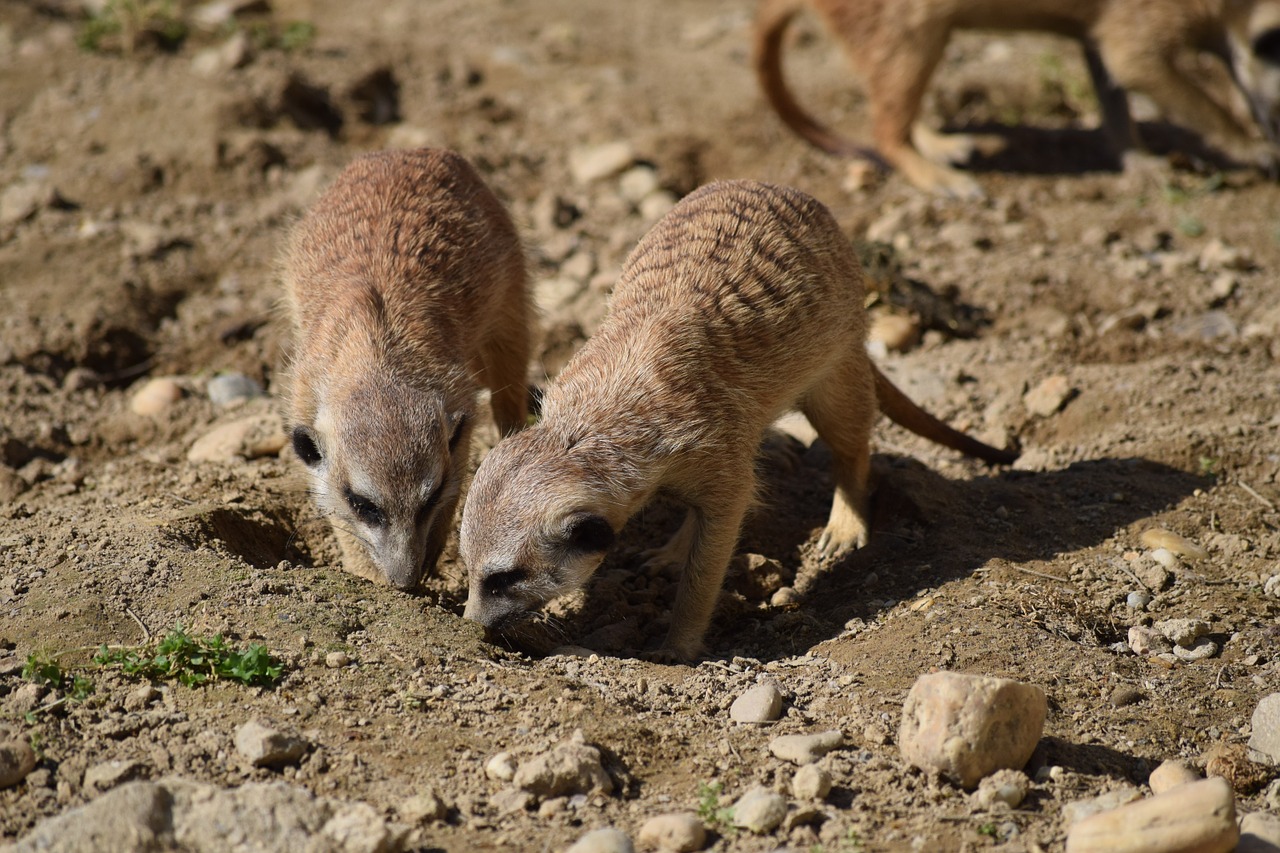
<point>840,539</point>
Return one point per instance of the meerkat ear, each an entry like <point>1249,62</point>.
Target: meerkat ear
<point>456,424</point>
<point>588,532</point>
<point>304,444</point>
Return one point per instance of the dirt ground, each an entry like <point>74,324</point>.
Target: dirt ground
<point>147,186</point>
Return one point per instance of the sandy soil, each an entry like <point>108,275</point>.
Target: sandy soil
<point>146,194</point>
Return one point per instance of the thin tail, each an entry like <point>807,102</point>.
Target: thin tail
<point>771,22</point>
<point>904,412</point>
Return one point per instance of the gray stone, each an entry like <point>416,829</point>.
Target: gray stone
<point>759,810</point>
<point>607,840</point>
<point>227,388</point>
<point>1199,816</point>
<point>570,767</point>
<point>1201,649</point>
<point>266,746</point>
<point>1266,728</point>
<point>1147,641</point>
<point>1182,632</point>
<point>967,726</point>
<point>805,749</point>
<point>1259,833</point>
<point>17,759</point>
<point>109,774</point>
<point>760,704</point>
<point>681,832</point>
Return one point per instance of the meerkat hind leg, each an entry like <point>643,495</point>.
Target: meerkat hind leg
<point>842,410</point>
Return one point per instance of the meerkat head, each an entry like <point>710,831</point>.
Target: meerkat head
<point>1253,35</point>
<point>537,524</point>
<point>387,463</point>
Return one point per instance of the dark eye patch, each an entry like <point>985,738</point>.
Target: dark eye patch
<point>1267,46</point>
<point>588,533</point>
<point>501,583</point>
<point>365,509</point>
<point>304,444</point>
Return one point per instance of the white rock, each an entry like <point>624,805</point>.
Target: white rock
<point>1170,774</point>
<point>250,437</point>
<point>423,808</point>
<point>1183,632</point>
<point>1049,396</point>
<point>1003,788</point>
<point>1166,558</point>
<point>155,396</point>
<point>607,840</point>
<point>266,746</point>
<point>805,749</point>
<point>570,767</point>
<point>811,782</point>
<point>1199,817</point>
<point>1259,833</point>
<point>1271,587</point>
<point>760,704</point>
<point>1147,641</point>
<point>17,759</point>
<point>681,832</point>
<point>638,182</point>
<point>759,810</point>
<point>967,726</point>
<point>1266,728</point>
<point>591,163</point>
<point>501,768</point>
<point>656,205</point>
<point>1201,649</point>
<point>337,660</point>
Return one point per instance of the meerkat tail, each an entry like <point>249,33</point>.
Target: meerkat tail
<point>771,22</point>
<point>903,411</point>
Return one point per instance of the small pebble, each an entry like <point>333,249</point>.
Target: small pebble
<point>785,597</point>
<point>1170,774</point>
<point>570,767</point>
<point>227,388</point>
<point>1271,587</point>
<point>591,163</point>
<point>760,704</point>
<point>607,840</point>
<point>337,660</point>
<point>681,832</point>
<point>1049,396</point>
<point>156,396</point>
<point>759,810</point>
<point>266,746</point>
<point>1147,641</point>
<point>1006,788</point>
<point>140,697</point>
<point>805,749</point>
<point>811,782</point>
<point>17,759</point>
<point>1158,537</point>
<point>1125,695</point>
<point>1201,649</point>
<point>1138,600</point>
<point>636,183</point>
<point>1165,557</point>
<point>423,808</point>
<point>1153,575</point>
<point>501,768</point>
<point>1078,810</point>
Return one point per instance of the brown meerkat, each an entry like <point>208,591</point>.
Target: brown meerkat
<point>1129,45</point>
<point>407,287</point>
<point>744,301</point>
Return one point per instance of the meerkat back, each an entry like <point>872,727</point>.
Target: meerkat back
<point>407,289</point>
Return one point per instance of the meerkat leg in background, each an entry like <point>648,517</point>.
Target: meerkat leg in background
<point>506,362</point>
<point>676,550</point>
<point>715,519</point>
<point>1114,102</point>
<point>842,408</point>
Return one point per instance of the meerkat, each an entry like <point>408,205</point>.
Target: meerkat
<point>406,284</point>
<point>744,301</point>
<point>1128,44</point>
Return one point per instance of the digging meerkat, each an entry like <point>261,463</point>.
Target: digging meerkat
<point>407,288</point>
<point>741,303</point>
<point>1129,45</point>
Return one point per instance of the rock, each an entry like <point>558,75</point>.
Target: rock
<point>17,759</point>
<point>337,660</point>
<point>250,437</point>
<point>178,814</point>
<point>1074,812</point>
<point>681,832</point>
<point>966,726</point>
<point>1158,537</point>
<point>423,808</point>
<point>1182,632</point>
<point>805,749</point>
<point>501,768</point>
<point>216,61</point>
<point>1170,774</point>
<point>811,782</point>
<point>1266,728</point>
<point>570,767</point>
<point>511,801</point>
<point>758,577</point>
<point>1259,833</point>
<point>1153,575</point>
<point>897,332</point>
<point>1271,587</point>
<point>593,162</point>
<point>759,810</point>
<point>227,388</point>
<point>1199,817</point>
<point>785,597</point>
<point>638,182</point>
<point>1137,600</point>
<point>1125,695</point>
<point>1217,255</point>
<point>1147,641</point>
<point>760,704</point>
<point>1007,788</point>
<point>140,697</point>
<point>607,840</point>
<point>656,205</point>
<point>266,746</point>
<point>1166,558</point>
<point>1201,649</point>
<point>23,199</point>
<point>155,396</point>
<point>109,774</point>
<point>1049,396</point>
<point>25,699</point>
